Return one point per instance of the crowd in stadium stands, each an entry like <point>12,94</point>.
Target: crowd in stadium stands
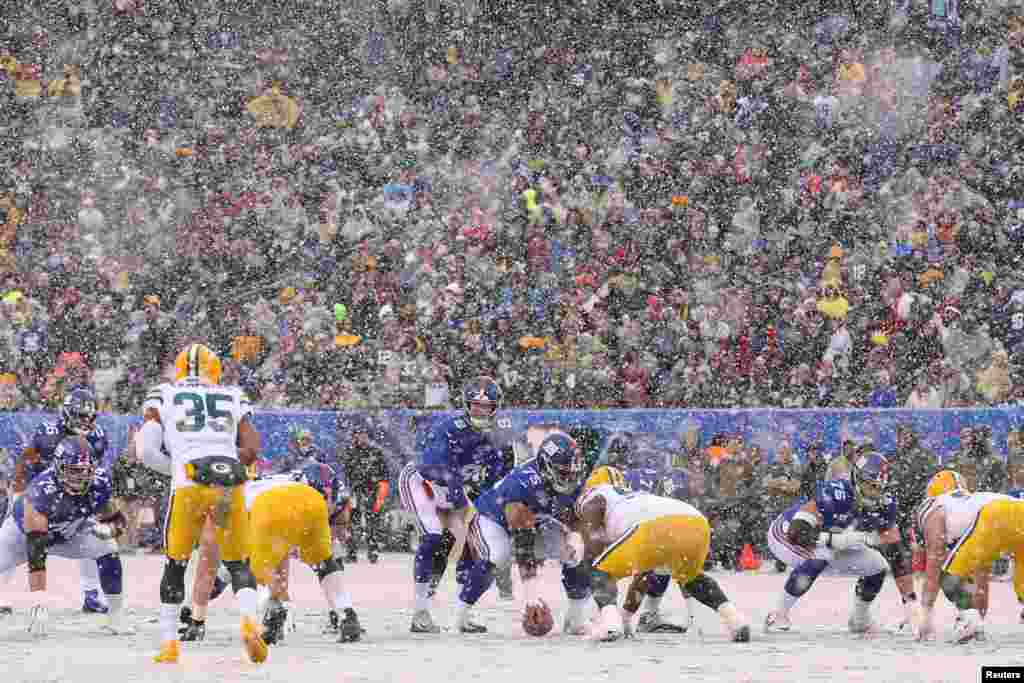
<point>361,204</point>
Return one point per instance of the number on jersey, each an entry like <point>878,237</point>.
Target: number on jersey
<point>196,413</point>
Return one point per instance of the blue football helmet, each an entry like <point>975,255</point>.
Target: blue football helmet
<point>78,414</point>
<point>870,475</point>
<point>560,462</point>
<point>322,478</point>
<point>481,399</point>
<point>75,465</point>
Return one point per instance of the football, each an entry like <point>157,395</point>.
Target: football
<point>538,621</point>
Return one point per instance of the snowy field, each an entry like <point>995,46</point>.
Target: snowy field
<point>819,648</point>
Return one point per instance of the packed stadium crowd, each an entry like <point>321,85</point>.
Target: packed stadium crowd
<point>648,204</point>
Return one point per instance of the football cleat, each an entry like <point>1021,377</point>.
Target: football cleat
<point>471,627</point>
<point>254,645</point>
<point>113,626</point>
<point>6,610</point>
<point>169,653</point>
<point>372,557</point>
<point>193,631</point>
<point>349,630</point>
<point>741,635</point>
<point>273,624</point>
<point>776,621</point>
<point>93,604</point>
<point>422,622</point>
<point>574,627</point>
<point>651,622</point>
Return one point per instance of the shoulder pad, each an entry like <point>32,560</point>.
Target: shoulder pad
<point>49,427</point>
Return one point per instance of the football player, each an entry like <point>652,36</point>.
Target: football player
<point>207,430</point>
<point>67,511</point>
<point>837,532</point>
<point>510,526</point>
<point>964,533</point>
<point>458,451</point>
<point>77,418</point>
<point>634,533</point>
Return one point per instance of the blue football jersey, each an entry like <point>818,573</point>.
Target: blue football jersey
<point>676,485</point>
<point>455,455</point>
<point>836,503</point>
<point>48,436</point>
<point>644,479</point>
<point>524,485</point>
<point>67,514</point>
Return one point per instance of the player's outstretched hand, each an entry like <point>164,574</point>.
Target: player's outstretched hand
<point>38,621</point>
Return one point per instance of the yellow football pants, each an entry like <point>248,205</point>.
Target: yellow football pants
<point>293,516</point>
<point>678,543</point>
<point>998,529</point>
<point>187,513</point>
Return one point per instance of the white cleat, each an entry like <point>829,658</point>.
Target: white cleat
<point>968,626</point>
<point>777,622</point>
<point>574,627</point>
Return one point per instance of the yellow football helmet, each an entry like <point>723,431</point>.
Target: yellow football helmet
<point>605,475</point>
<point>946,481</point>
<point>198,361</point>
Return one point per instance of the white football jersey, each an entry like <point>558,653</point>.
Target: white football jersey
<point>959,509</point>
<point>256,488</point>
<point>625,509</point>
<point>199,420</point>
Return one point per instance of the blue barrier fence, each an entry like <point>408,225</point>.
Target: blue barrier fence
<point>396,431</point>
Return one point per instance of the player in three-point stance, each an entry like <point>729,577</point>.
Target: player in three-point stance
<point>458,451</point>
<point>206,428</point>
<point>67,511</point>
<point>77,418</point>
<point>517,520</point>
<point>964,533</point>
<point>634,534</point>
<point>833,533</point>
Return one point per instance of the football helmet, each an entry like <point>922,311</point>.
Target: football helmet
<point>302,440</point>
<point>74,464</point>
<point>945,481</point>
<point>200,362</point>
<point>621,451</point>
<point>606,475</point>
<point>560,463</point>
<point>870,475</point>
<point>481,399</point>
<point>78,413</point>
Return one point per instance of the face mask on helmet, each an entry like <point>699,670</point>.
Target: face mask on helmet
<point>75,468</point>
<point>481,400</point>
<point>871,475</point>
<point>561,463</point>
<point>79,415</point>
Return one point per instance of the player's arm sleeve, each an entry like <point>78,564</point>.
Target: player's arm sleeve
<point>149,440</point>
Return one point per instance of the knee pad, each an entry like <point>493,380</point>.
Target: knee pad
<point>706,591</point>
<point>868,587</point>
<point>803,577</point>
<point>111,573</point>
<point>172,585</point>
<point>326,568</point>
<point>241,575</point>
<point>576,581</point>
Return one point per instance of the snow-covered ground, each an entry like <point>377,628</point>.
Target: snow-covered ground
<point>819,648</point>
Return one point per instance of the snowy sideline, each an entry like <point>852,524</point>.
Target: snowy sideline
<point>819,648</point>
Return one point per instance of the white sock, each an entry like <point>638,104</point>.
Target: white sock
<point>248,602</point>
<point>786,602</point>
<point>653,603</point>
<point>422,597</point>
<point>115,603</point>
<point>575,611</point>
<point>199,612</point>
<point>691,606</point>
<point>463,611</point>
<point>730,616</point>
<point>169,622</point>
<point>334,591</point>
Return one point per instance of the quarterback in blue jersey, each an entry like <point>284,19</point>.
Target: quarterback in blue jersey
<point>458,454</point>
<point>77,418</point>
<point>66,511</point>
<point>513,516</point>
<point>838,531</point>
